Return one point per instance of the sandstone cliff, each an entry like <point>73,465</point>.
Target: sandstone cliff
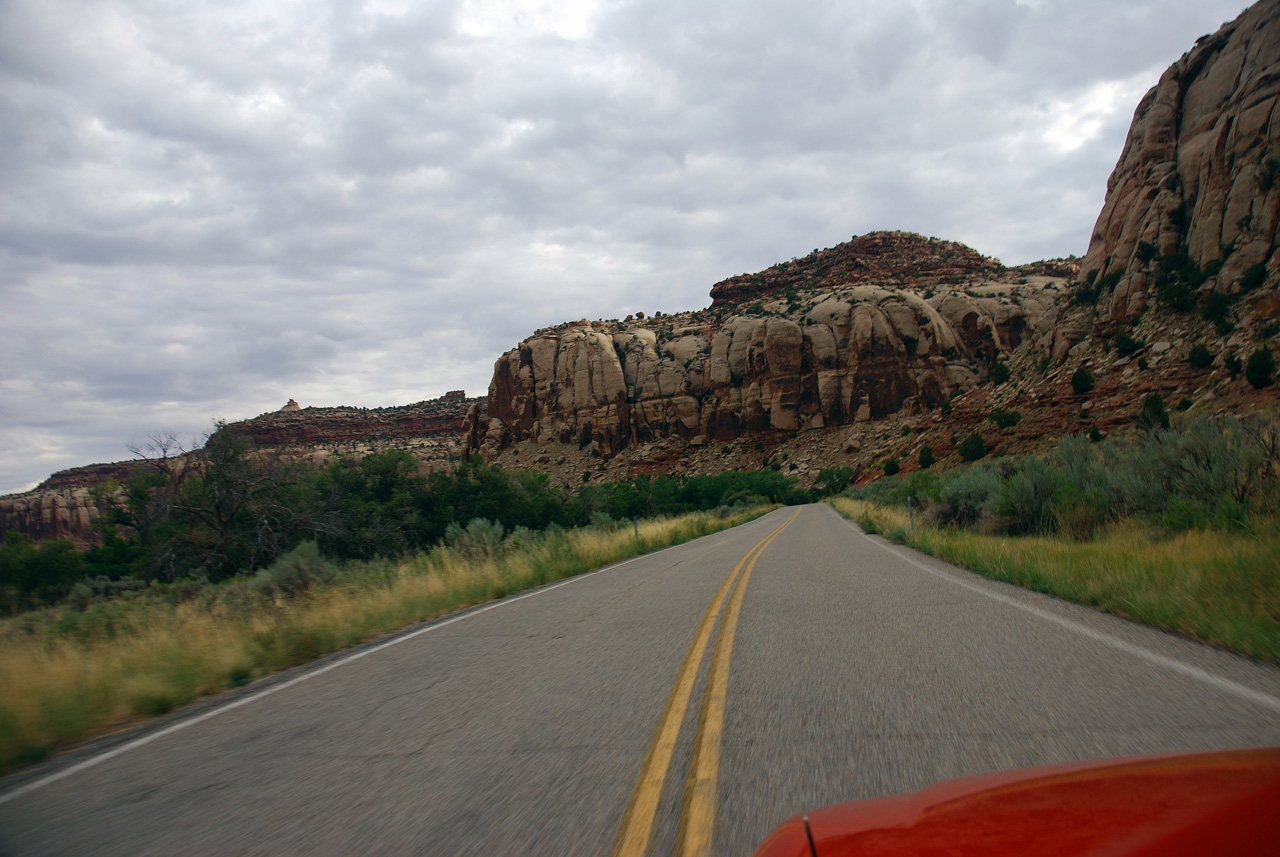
<point>1199,177</point>
<point>846,334</point>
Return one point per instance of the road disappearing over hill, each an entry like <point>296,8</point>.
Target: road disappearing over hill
<point>683,702</point>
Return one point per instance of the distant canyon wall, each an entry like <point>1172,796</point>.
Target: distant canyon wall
<point>66,506</point>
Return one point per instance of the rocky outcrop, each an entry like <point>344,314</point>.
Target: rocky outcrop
<point>1198,182</point>
<point>337,427</point>
<point>883,258</point>
<point>63,506</point>
<point>815,356</point>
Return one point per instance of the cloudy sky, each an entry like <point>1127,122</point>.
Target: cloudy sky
<point>207,208</point>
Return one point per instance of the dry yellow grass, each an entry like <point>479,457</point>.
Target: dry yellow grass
<point>60,686</point>
<point>1221,588</point>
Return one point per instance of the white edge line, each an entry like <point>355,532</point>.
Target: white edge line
<point>1257,697</point>
<point>169,730</point>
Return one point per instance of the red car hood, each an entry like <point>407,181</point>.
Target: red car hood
<point>1199,804</point>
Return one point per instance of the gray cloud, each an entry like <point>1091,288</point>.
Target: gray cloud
<point>208,208</point>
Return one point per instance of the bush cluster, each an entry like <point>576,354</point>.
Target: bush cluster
<point>227,511</point>
<point>1203,474</point>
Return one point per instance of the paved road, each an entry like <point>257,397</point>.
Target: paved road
<point>857,668</point>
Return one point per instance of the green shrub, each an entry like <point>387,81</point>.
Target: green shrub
<point>1233,365</point>
<point>964,499</point>
<point>999,373</point>
<point>891,467</point>
<point>1216,308</point>
<point>1082,381</point>
<point>1200,357</point>
<point>1261,368</point>
<point>1153,414</point>
<point>1146,252</point>
<point>946,408</point>
<point>480,539</point>
<point>1253,277</point>
<point>295,572</point>
<point>972,447</point>
<point>1126,345</point>
<point>926,457</point>
<point>1027,495</point>
<point>1006,419</point>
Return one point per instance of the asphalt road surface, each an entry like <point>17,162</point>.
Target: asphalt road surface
<point>684,702</point>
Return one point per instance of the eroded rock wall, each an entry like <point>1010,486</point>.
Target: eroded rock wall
<point>838,356</point>
<point>1200,170</point>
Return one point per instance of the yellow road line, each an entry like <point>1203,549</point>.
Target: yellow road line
<point>698,818</point>
<point>637,823</point>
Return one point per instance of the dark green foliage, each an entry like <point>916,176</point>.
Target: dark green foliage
<point>1261,368</point>
<point>1045,363</point>
<point>228,512</point>
<point>835,479</point>
<point>31,575</point>
<point>1153,414</point>
<point>1177,280</point>
<point>1006,419</point>
<point>972,447</point>
<point>1253,277</point>
<point>1233,364</point>
<point>1093,288</point>
<point>1126,345</point>
<point>891,466</point>
<point>926,457</point>
<point>1200,357</point>
<point>1185,405</point>
<point>945,409</point>
<point>999,373</point>
<point>1082,381</point>
<point>1216,308</point>
<point>1146,252</point>
<point>1095,435</point>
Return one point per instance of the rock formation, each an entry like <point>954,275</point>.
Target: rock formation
<point>1198,182</point>
<point>843,335</point>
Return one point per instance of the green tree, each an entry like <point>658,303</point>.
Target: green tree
<point>972,447</point>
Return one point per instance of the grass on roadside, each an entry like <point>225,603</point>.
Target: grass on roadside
<point>1220,588</point>
<point>70,674</point>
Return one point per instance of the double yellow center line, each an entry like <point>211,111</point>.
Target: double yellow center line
<point>697,819</point>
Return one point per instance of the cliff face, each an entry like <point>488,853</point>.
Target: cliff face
<point>1200,170</point>
<point>337,429</point>
<point>844,335</point>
